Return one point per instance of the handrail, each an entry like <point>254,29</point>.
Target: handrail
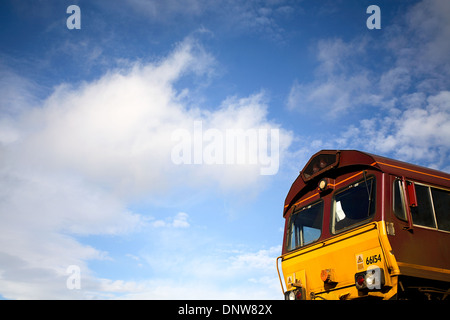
<point>279,276</point>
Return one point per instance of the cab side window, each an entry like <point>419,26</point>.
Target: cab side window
<point>423,214</point>
<point>433,205</point>
<point>441,201</point>
<point>399,202</point>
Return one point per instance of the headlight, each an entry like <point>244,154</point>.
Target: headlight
<point>372,279</point>
<point>297,294</point>
<point>290,295</point>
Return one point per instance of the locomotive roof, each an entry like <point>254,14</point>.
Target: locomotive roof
<point>333,159</point>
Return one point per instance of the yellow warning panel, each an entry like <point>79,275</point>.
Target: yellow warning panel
<point>359,262</point>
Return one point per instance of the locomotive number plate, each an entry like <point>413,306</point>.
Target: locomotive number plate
<point>368,258</point>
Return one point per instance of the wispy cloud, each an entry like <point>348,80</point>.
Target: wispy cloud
<point>418,134</point>
<point>256,17</point>
<point>179,221</point>
<point>340,84</point>
<point>212,273</point>
<point>406,93</point>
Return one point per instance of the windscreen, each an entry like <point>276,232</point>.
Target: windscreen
<point>354,205</point>
<point>305,225</point>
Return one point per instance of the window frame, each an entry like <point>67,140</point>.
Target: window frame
<point>434,207</point>
<point>430,198</point>
<point>332,221</point>
<point>405,203</point>
<point>430,195</point>
<point>289,231</point>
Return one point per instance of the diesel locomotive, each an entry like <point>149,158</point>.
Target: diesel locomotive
<point>360,226</point>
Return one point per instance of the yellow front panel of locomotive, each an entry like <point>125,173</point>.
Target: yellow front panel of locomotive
<point>341,257</point>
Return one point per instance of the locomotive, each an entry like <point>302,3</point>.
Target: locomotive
<point>360,226</point>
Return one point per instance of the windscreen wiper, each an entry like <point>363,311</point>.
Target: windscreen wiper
<point>369,193</point>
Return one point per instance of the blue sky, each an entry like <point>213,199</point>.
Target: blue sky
<point>88,118</point>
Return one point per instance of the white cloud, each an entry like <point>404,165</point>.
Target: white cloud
<point>116,131</point>
<point>70,165</point>
<point>418,134</point>
<point>336,56</point>
<point>415,124</point>
<point>162,10</point>
<point>16,92</point>
<point>397,79</point>
<point>405,95</point>
<point>258,17</point>
<point>209,273</point>
<point>340,84</point>
<point>331,97</point>
<point>179,221</point>
<point>428,22</point>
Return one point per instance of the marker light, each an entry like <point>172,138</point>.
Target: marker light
<point>323,184</point>
<point>320,163</point>
<point>325,275</point>
<point>360,280</point>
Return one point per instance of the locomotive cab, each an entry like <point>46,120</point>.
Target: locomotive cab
<point>360,226</point>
